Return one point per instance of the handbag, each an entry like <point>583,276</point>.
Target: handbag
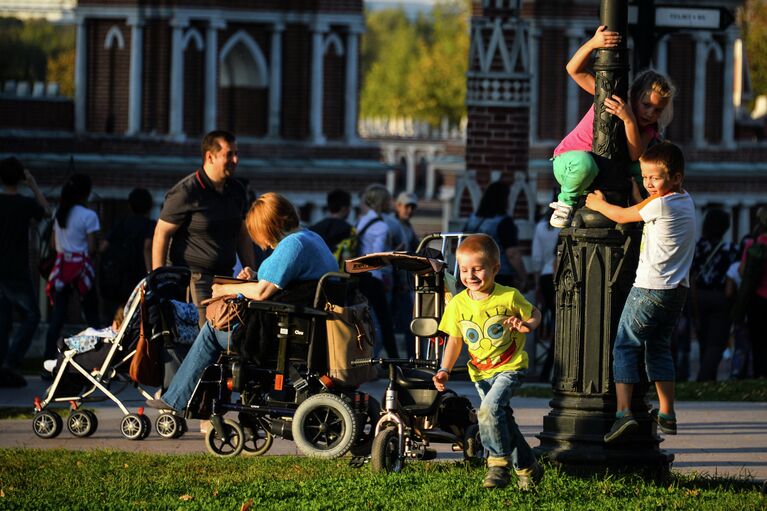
<point>224,312</point>
<point>146,366</point>
<point>350,336</point>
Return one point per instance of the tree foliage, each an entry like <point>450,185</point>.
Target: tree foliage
<point>416,68</point>
<point>754,24</point>
<point>37,50</point>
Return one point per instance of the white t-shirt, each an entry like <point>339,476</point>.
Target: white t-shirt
<point>80,223</point>
<point>668,241</point>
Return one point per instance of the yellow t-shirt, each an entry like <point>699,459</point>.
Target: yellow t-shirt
<point>493,347</point>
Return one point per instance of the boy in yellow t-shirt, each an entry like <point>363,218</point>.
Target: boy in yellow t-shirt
<point>492,320</point>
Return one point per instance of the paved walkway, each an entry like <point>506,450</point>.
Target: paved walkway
<point>717,438</point>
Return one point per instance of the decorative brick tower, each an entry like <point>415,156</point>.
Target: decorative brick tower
<point>498,92</point>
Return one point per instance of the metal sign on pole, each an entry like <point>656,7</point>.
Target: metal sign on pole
<point>670,16</point>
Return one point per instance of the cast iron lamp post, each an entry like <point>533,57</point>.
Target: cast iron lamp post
<point>596,264</point>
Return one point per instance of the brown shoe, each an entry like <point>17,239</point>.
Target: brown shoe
<point>527,478</point>
<point>496,477</point>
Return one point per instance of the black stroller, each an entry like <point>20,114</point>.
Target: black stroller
<point>291,379</point>
<point>416,414</point>
<point>104,366</point>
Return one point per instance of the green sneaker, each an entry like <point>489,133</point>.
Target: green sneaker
<point>667,426</point>
<point>496,477</point>
<point>621,426</point>
<point>527,478</point>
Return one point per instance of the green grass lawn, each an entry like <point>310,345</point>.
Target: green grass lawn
<point>57,479</point>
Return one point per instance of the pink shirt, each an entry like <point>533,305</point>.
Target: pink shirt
<point>762,239</point>
<point>582,136</point>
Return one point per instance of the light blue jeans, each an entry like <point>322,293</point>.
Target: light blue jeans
<point>647,323</point>
<point>204,352</point>
<point>497,427</point>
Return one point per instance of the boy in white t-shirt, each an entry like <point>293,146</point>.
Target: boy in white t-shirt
<point>656,299</point>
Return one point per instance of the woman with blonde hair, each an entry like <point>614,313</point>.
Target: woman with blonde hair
<point>299,255</point>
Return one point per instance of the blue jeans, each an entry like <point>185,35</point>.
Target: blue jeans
<point>497,427</point>
<point>19,293</point>
<point>204,352</point>
<point>648,321</point>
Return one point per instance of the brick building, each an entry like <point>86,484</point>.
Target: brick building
<point>727,159</point>
<point>153,76</point>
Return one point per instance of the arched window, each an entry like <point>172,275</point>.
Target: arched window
<point>114,41</point>
<point>243,86</point>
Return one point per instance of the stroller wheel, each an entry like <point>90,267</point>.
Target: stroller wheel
<point>258,440</point>
<point>230,443</point>
<point>385,455</point>
<point>47,424</point>
<point>133,427</point>
<point>324,426</point>
<point>147,426</point>
<point>367,430</point>
<point>82,423</point>
<point>168,425</point>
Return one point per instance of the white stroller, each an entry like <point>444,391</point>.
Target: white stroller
<point>98,364</point>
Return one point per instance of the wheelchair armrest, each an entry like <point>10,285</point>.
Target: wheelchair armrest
<point>284,308</point>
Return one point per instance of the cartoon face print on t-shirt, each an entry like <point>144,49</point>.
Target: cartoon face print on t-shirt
<point>491,344</point>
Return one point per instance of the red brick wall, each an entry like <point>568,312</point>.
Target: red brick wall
<point>156,76</point>
<point>108,76</point>
<point>681,52</point>
<point>552,84</point>
<point>347,6</point>
<point>497,139</point>
<point>37,114</point>
<point>296,75</point>
<point>243,110</point>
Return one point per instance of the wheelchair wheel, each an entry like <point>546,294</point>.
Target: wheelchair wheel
<point>367,429</point>
<point>324,426</point>
<point>472,445</point>
<point>384,453</point>
<point>258,439</point>
<point>47,424</point>
<point>168,425</point>
<point>226,445</point>
<point>133,427</point>
<point>82,423</point>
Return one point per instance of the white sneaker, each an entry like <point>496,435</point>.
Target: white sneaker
<point>562,216</point>
<point>49,365</point>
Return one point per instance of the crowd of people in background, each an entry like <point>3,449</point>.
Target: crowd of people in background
<point>201,226</point>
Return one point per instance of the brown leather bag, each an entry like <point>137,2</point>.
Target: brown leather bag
<point>146,366</point>
<point>350,336</point>
<point>225,311</point>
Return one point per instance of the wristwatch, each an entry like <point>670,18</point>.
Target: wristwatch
<point>444,370</point>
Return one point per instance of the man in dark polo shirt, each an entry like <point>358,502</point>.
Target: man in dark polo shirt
<point>202,219</point>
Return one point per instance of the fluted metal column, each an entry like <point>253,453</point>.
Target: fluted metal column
<point>596,265</point>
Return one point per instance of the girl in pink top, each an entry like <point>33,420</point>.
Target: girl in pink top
<point>650,98</point>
